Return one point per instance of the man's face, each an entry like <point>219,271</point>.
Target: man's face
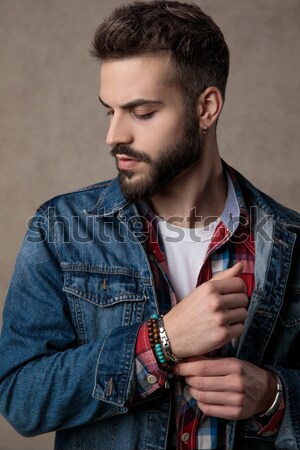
<point>153,136</point>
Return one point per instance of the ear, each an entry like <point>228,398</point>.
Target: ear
<point>209,107</point>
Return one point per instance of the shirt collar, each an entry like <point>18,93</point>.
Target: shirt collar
<point>235,213</point>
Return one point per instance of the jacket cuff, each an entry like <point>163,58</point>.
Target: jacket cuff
<point>271,427</point>
<point>114,378</point>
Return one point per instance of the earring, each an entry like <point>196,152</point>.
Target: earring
<point>204,130</point>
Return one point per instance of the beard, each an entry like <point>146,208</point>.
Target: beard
<point>170,162</point>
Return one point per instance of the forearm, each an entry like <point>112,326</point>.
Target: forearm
<point>72,387</point>
<point>53,374</point>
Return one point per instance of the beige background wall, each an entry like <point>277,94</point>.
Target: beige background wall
<point>52,128</point>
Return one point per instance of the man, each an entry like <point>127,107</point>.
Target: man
<point>84,350</point>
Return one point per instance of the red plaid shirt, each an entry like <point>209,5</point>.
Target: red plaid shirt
<point>232,242</point>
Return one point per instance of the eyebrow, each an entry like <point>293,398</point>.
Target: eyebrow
<point>134,103</point>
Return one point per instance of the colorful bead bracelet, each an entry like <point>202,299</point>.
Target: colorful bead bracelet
<point>160,343</point>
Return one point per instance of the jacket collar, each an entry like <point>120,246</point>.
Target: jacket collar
<point>111,201</point>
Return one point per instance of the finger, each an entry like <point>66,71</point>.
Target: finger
<point>229,285</point>
<point>236,330</point>
<point>234,271</point>
<point>221,411</point>
<point>223,383</point>
<point>236,300</point>
<point>206,368</point>
<point>217,398</point>
<point>196,358</point>
<point>237,315</point>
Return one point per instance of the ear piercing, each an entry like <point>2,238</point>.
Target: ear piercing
<point>204,130</point>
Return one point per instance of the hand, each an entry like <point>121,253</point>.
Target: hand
<point>228,388</point>
<point>210,316</point>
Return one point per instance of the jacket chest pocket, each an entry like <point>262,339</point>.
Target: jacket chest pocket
<point>290,314</point>
<point>287,329</point>
<point>100,301</point>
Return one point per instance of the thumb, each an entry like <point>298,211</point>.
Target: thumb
<point>234,271</point>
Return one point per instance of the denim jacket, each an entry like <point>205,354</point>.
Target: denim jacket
<point>81,288</point>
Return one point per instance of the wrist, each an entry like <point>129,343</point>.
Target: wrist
<point>172,336</point>
<point>276,393</point>
<point>160,343</point>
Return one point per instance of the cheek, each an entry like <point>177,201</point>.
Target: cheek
<point>165,132</point>
<point>173,126</point>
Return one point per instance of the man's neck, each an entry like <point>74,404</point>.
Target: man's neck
<point>195,197</point>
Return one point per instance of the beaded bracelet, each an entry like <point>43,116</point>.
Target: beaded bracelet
<point>154,338</point>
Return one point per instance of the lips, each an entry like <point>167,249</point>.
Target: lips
<point>126,163</point>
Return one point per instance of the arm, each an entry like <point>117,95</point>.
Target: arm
<point>47,380</point>
<point>289,373</point>
<point>241,376</point>
<point>230,388</point>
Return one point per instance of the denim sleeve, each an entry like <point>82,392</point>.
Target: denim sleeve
<point>48,381</point>
<point>289,431</point>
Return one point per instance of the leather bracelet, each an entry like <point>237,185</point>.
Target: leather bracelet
<point>273,408</point>
<point>165,343</point>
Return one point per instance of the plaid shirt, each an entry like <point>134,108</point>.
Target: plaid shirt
<point>232,242</point>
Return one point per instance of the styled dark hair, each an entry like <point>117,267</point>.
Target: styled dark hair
<point>196,45</point>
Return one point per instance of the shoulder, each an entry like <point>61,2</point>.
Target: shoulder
<point>77,201</point>
<point>263,201</point>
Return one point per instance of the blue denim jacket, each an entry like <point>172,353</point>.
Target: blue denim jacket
<point>82,286</point>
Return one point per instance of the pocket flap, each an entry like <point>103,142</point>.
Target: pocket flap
<point>104,288</point>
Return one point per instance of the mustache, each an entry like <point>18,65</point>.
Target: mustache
<point>130,152</point>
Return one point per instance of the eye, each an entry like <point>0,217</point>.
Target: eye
<point>109,112</point>
<point>143,116</point>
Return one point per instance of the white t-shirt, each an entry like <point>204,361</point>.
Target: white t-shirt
<point>186,248</point>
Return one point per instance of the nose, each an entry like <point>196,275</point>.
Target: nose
<point>118,132</point>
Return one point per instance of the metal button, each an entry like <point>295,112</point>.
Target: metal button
<point>185,437</point>
<point>151,379</point>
